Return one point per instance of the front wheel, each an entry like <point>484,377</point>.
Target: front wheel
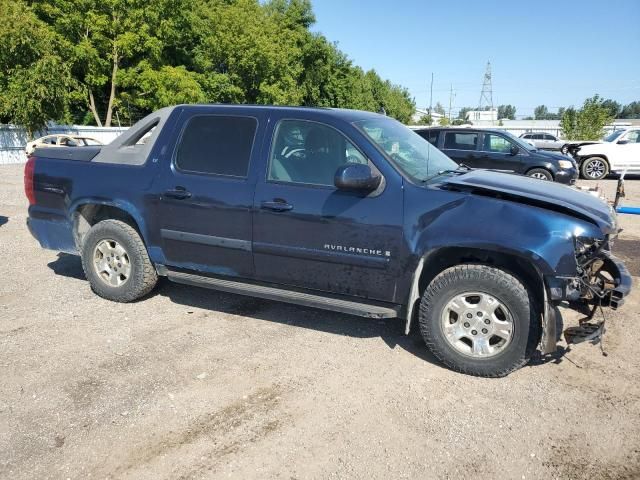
<point>479,320</point>
<point>540,174</point>
<point>594,168</point>
<point>116,262</point>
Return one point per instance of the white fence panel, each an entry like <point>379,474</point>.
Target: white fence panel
<point>13,139</point>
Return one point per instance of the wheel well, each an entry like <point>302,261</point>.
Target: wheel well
<point>452,256</point>
<point>87,215</point>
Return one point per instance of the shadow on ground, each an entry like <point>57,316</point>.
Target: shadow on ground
<point>67,266</point>
<point>3,220</point>
<point>391,331</point>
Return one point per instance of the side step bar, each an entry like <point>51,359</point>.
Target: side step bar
<point>283,295</point>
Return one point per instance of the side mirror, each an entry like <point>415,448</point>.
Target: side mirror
<point>623,142</point>
<point>514,150</point>
<point>356,177</point>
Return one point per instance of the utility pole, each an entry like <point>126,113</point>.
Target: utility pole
<point>450,102</point>
<point>431,96</point>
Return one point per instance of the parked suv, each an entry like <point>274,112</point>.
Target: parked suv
<point>499,150</point>
<point>335,209</point>
<point>543,141</point>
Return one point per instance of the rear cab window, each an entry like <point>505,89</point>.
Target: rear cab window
<point>216,145</point>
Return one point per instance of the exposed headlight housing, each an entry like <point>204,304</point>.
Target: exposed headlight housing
<point>565,163</point>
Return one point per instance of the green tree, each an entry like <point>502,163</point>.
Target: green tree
<point>588,122</point>
<point>632,110</point>
<point>34,80</point>
<point>541,112</point>
<point>444,121</point>
<point>613,107</point>
<point>507,111</point>
<point>425,120</point>
<point>462,113</point>
<point>86,60</point>
<point>439,108</point>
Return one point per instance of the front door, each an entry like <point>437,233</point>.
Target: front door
<point>496,153</point>
<point>310,235</point>
<point>203,217</point>
<point>627,154</point>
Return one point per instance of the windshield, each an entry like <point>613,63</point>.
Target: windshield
<point>520,142</point>
<point>411,153</point>
<point>613,135</point>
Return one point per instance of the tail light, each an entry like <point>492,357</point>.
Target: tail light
<point>29,191</point>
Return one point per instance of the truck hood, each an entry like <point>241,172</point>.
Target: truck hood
<point>531,191</point>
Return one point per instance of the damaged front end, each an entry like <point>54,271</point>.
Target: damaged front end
<point>601,280</point>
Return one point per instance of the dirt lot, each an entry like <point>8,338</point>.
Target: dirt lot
<point>191,383</point>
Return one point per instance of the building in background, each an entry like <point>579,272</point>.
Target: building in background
<point>490,115</point>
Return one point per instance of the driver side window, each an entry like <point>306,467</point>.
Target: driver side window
<point>632,137</point>
<point>496,143</point>
<point>310,153</point>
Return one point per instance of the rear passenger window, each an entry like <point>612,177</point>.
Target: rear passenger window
<point>460,140</point>
<point>217,145</point>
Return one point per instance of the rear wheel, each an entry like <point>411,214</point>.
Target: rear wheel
<point>541,174</point>
<point>479,320</point>
<point>116,263</point>
<point>594,168</point>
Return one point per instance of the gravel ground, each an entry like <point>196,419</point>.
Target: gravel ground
<point>190,383</point>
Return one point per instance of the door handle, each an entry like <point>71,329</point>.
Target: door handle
<point>179,193</point>
<point>277,206</point>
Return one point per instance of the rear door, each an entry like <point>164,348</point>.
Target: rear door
<point>461,147</point>
<point>205,194</point>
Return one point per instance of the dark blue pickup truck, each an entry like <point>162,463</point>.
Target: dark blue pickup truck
<point>343,210</point>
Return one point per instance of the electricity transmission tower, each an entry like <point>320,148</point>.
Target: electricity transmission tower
<point>486,96</point>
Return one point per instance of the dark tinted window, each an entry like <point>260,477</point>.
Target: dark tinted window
<point>460,140</point>
<point>217,144</point>
<point>550,137</point>
<point>537,136</point>
<point>430,135</point>
<point>528,136</point>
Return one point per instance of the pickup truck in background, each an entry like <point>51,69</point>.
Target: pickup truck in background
<point>336,209</point>
<point>618,153</point>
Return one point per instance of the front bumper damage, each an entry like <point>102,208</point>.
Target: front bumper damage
<point>602,281</point>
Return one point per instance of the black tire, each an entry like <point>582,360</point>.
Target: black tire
<point>142,274</point>
<point>504,287</point>
<point>594,168</point>
<point>539,172</point>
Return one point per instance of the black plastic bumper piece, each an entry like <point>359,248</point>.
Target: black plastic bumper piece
<point>622,278</point>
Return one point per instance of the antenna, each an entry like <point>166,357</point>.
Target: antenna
<point>486,96</point>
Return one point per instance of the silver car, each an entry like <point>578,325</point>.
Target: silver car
<point>543,141</point>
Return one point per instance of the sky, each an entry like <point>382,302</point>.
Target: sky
<point>555,53</point>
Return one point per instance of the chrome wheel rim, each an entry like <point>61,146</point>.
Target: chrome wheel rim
<point>538,175</point>
<point>111,263</point>
<point>595,169</point>
<point>477,324</point>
